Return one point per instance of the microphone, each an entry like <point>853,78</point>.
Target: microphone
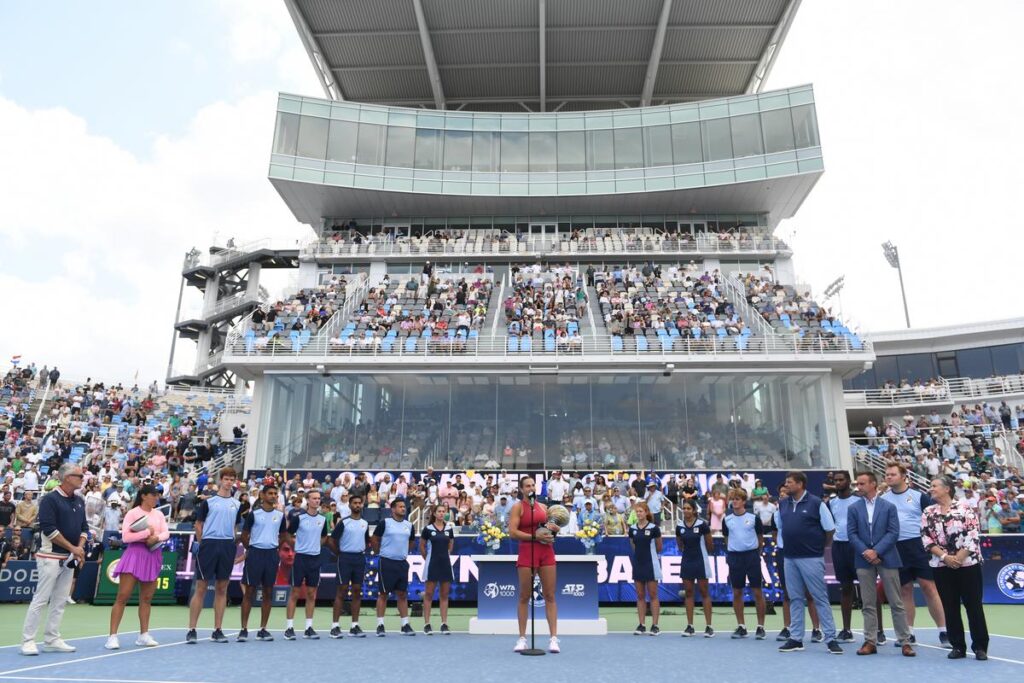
<point>532,496</point>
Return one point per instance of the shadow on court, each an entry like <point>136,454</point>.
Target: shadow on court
<point>615,657</point>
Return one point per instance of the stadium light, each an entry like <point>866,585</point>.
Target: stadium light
<point>892,255</point>
<point>835,289</point>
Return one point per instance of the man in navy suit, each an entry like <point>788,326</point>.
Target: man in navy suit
<point>873,526</point>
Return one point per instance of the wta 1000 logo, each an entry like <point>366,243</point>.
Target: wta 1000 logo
<point>496,590</point>
<point>1011,581</point>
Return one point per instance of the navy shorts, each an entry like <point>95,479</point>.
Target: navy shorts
<point>743,567</point>
<point>843,561</point>
<point>394,575</point>
<point>306,570</point>
<point>260,567</point>
<point>915,561</point>
<point>351,568</point>
<point>215,559</point>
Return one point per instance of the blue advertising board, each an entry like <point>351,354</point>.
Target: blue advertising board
<point>576,589</point>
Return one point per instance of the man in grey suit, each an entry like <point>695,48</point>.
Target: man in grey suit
<point>873,526</point>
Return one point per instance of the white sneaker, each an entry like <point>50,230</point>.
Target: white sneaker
<point>71,601</point>
<point>58,646</point>
<point>29,649</point>
<point>145,640</point>
<point>112,643</point>
<point>553,646</point>
<point>520,645</point>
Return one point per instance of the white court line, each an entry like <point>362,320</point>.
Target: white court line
<point>64,662</point>
<point>936,628</point>
<point>89,680</point>
<point>98,635</point>
<point>971,654</point>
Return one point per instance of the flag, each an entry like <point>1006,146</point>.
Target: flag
<point>15,359</point>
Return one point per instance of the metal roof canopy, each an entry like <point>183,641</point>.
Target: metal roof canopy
<point>540,55</point>
<point>780,198</point>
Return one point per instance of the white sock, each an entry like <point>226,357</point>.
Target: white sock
<point>334,625</point>
<point>405,621</point>
<point>355,624</point>
<point>380,621</point>
<point>741,626</point>
<point>289,623</point>
<point>309,623</point>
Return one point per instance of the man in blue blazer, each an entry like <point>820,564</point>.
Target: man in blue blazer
<point>873,526</point>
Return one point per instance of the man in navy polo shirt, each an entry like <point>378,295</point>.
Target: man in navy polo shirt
<point>807,527</point>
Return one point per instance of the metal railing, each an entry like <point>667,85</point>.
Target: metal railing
<point>500,346</point>
<point>618,245</point>
<point>944,391</point>
<point>877,464</point>
<point>734,291</point>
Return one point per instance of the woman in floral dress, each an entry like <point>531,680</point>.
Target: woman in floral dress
<point>951,531</point>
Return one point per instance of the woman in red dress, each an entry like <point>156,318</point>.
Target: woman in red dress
<point>528,521</point>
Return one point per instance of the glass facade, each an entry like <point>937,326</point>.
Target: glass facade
<point>739,139</point>
<point>588,421</point>
<point>976,363</point>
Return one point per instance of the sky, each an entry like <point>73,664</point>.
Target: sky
<point>131,132</point>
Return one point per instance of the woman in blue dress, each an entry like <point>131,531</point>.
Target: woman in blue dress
<point>645,537</point>
<point>693,536</point>
<point>436,543</point>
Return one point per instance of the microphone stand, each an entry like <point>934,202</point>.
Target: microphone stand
<point>533,651</point>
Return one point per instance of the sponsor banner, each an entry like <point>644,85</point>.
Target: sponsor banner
<point>18,581</point>
<point>1003,569</point>
<point>106,590</point>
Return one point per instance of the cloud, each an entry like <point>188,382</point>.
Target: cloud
<point>113,229</point>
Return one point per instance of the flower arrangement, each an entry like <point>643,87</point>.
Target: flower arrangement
<point>590,535</point>
<point>491,536</point>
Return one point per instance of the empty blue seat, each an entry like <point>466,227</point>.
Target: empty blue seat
<point>741,343</point>
<point>473,334</point>
<point>641,343</point>
<point>662,333</point>
<point>388,344</point>
<point>410,345</point>
<point>666,343</point>
<point>673,332</point>
<point>526,344</point>
<point>549,343</point>
<point>513,343</point>
<point>721,332</point>
<point>696,333</point>
<point>616,342</point>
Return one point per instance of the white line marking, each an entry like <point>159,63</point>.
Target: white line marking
<point>936,628</point>
<point>64,662</point>
<point>971,654</point>
<point>89,680</point>
<point>98,635</point>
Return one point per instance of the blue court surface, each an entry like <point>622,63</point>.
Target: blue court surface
<point>616,657</point>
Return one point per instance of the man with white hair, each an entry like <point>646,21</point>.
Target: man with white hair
<point>64,531</point>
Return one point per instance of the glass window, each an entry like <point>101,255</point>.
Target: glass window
<point>428,148</point>
<point>312,137</point>
<point>886,370</point>
<point>686,146</point>
<point>916,366</point>
<point>717,138</point>
<point>485,152</point>
<point>370,146</point>
<point>778,130</point>
<point>805,126</point>
<point>515,152</point>
<point>458,150</point>
<point>571,152</point>
<point>976,363</point>
<point>600,150</point>
<point>746,135</point>
<point>1008,359</point>
<point>658,146</point>
<point>401,146</point>
<point>286,134</point>
<point>543,152</point>
<point>629,150</point>
<point>341,141</point>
